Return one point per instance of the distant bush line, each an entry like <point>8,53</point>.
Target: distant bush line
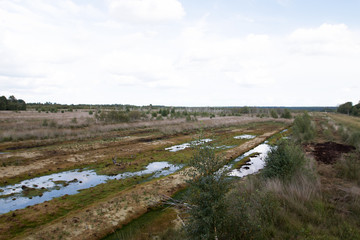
<point>12,103</point>
<point>349,108</point>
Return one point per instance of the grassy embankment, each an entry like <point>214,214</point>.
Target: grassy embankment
<point>315,201</point>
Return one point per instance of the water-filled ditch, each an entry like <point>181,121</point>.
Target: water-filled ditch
<point>14,197</point>
<point>254,164</point>
<point>187,145</point>
<point>245,136</point>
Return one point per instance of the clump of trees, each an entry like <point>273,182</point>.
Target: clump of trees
<point>12,103</point>
<point>349,108</point>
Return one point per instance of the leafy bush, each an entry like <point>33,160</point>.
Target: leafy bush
<point>250,212</point>
<point>303,130</point>
<point>273,114</point>
<point>134,115</point>
<point>207,190</point>
<point>113,116</point>
<point>283,161</point>
<point>286,114</point>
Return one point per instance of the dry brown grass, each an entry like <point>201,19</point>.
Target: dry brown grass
<point>350,121</point>
<point>79,124</point>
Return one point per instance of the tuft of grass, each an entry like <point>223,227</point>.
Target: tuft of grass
<point>354,139</point>
<point>348,167</point>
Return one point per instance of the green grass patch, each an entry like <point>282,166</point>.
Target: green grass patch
<point>273,140</point>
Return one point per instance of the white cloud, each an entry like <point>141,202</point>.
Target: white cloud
<point>146,10</point>
<point>71,53</point>
<point>327,39</point>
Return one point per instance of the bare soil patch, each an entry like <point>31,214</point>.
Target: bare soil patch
<point>328,152</point>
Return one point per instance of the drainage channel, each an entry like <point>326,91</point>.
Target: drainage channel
<point>47,187</point>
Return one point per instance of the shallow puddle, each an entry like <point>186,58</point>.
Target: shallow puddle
<point>187,145</point>
<point>245,136</point>
<point>254,164</point>
<point>225,147</point>
<point>69,182</point>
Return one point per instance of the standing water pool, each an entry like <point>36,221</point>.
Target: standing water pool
<point>69,182</point>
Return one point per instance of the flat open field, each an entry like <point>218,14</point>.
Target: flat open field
<point>120,156</point>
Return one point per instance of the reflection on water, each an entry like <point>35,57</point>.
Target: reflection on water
<point>69,182</point>
<point>255,163</point>
<point>245,136</point>
<point>187,145</point>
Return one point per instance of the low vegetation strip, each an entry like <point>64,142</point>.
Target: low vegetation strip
<point>103,217</point>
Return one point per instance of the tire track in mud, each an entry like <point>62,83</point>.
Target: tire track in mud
<point>102,218</point>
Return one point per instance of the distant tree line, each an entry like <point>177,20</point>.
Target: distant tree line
<point>349,108</point>
<point>12,103</point>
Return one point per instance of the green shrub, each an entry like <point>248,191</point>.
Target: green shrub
<point>250,213</point>
<point>354,139</point>
<point>134,115</point>
<point>303,129</point>
<point>113,116</point>
<point>283,161</point>
<point>286,114</point>
<point>206,194</point>
<point>273,114</point>
<point>349,167</point>
<point>45,123</point>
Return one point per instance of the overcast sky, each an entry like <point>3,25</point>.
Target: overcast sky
<point>181,52</point>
